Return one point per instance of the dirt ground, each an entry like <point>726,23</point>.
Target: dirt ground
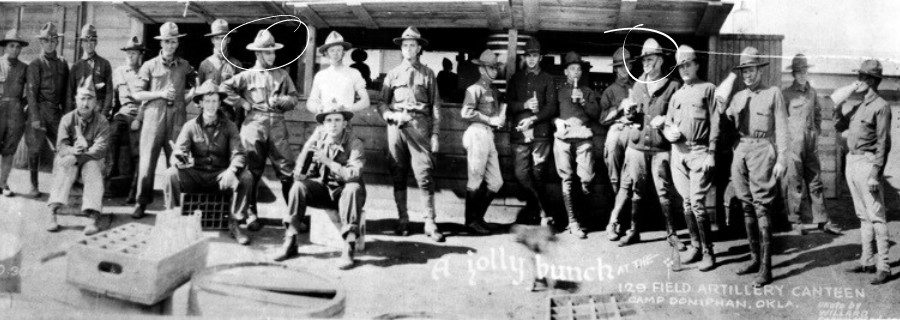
<point>489,276</point>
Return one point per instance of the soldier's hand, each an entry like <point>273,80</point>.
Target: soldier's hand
<point>873,184</point>
<point>709,162</point>
<point>778,171</point>
<point>525,124</point>
<point>135,125</point>
<point>531,104</point>
<point>320,155</point>
<point>37,125</point>
<point>227,179</point>
<point>170,94</point>
<point>402,118</point>
<point>299,176</point>
<point>435,143</point>
<point>496,122</point>
<point>672,133</point>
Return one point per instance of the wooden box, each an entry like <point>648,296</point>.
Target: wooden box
<point>111,263</point>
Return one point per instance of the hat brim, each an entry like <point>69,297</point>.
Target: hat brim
<point>200,96</point>
<point>803,67</point>
<point>617,63</point>
<point>169,37</point>
<point>253,47</point>
<point>48,36</point>
<point>399,41</point>
<point>754,64</point>
<point>880,76</point>
<point>344,44</point>
<point>530,51</point>
<point>660,53</point>
<point>5,41</point>
<point>678,64</point>
<point>134,48</point>
<point>566,65</point>
<point>222,33</point>
<point>484,63</point>
<point>320,117</point>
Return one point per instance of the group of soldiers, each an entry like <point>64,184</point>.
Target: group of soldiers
<point>648,135</point>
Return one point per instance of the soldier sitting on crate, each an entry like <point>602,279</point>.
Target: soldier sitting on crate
<point>82,147</point>
<point>329,176</point>
<point>209,155</point>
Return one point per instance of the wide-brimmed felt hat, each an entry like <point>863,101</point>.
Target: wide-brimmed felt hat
<point>411,33</point>
<point>48,31</point>
<point>651,47</point>
<point>572,57</point>
<point>618,57</point>
<point>218,27</point>
<point>264,41</point>
<point>206,88</point>
<point>13,36</point>
<point>487,58</point>
<point>799,63</point>
<point>332,107</point>
<point>872,68</point>
<point>334,39</point>
<point>750,58</point>
<point>86,88</point>
<point>684,54</point>
<point>88,31</point>
<point>532,46</point>
<point>169,30</point>
<point>133,43</point>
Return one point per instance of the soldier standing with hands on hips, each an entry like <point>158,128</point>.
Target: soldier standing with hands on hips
<point>411,106</point>
<point>531,106</point>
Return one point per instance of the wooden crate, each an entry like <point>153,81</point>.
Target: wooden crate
<point>111,263</point>
<point>592,307</point>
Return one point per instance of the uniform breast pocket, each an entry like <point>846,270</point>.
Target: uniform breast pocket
<point>420,86</point>
<point>160,76</point>
<point>699,112</point>
<point>257,92</point>
<point>761,120</point>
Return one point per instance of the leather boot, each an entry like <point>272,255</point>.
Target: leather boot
<point>694,252</point>
<point>764,276</point>
<point>621,202</point>
<point>92,227</point>
<point>286,185</point>
<point>139,212</point>
<point>529,214</point>
<point>253,222</point>
<point>473,202</point>
<point>632,235</point>
<point>574,227</point>
<point>235,231</point>
<point>613,231</point>
<point>288,248</point>
<point>485,205</point>
<point>35,192</point>
<point>402,214</point>
<point>346,262</point>
<point>753,239</point>
<point>52,225</point>
<point>709,257</point>
<point>671,234</point>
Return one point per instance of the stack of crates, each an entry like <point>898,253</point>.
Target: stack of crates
<point>214,207</point>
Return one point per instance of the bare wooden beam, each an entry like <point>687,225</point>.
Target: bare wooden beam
<point>309,62</point>
<point>310,15</point>
<point>200,11</point>
<point>492,14</point>
<point>512,47</point>
<point>362,14</point>
<point>713,18</point>
<point>276,8</point>
<point>532,16</point>
<point>134,12</point>
<point>626,14</point>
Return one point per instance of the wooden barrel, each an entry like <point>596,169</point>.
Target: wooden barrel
<point>10,263</point>
<point>262,290</point>
<point>499,43</point>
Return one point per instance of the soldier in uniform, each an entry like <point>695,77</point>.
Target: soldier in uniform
<point>209,155</point>
<point>161,85</point>
<point>47,76</point>
<point>760,117</point>
<point>12,103</point>
<point>482,108</point>
<point>692,126</point>
<point>338,84</point>
<point>411,106</point>
<point>82,148</point>
<point>805,124</point>
<point>217,69</point>
<point>647,155</point>
<point>578,107</point>
<point>266,94</point>
<point>531,106</point>
<point>92,65</point>
<point>122,119</point>
<point>333,179</point>
<point>617,135</point>
<point>868,141</point>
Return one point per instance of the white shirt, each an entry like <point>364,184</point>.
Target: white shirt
<point>336,86</point>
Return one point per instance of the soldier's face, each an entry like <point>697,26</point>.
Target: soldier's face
<point>489,71</point>
<point>89,45</point>
<point>532,60</point>
<point>210,104</point>
<point>864,83</point>
<point>573,71</point>
<point>410,49</point>
<point>335,54</point>
<point>800,76</point>
<point>13,49</point>
<point>169,46</point>
<point>49,45</point>
<point>750,75</point>
<point>688,70</point>
<point>84,104</point>
<point>267,58</point>
<point>133,57</point>
<point>621,72</point>
<point>652,63</point>
<point>334,125</point>
<point>219,41</point>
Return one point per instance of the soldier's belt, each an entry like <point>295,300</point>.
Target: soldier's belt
<point>755,140</point>
<point>860,152</point>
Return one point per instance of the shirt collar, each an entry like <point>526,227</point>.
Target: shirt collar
<point>89,57</point>
<point>406,64</point>
<point>85,120</point>
<point>798,87</point>
<point>258,66</point>
<point>168,63</point>
<point>870,96</point>
<point>536,71</point>
<point>215,123</point>
<point>622,81</point>
<point>51,56</point>
<point>485,83</point>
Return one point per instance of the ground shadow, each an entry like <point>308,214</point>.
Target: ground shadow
<point>822,258</point>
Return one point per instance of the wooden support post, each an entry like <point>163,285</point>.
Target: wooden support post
<point>19,15</point>
<point>511,48</point>
<point>309,62</point>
